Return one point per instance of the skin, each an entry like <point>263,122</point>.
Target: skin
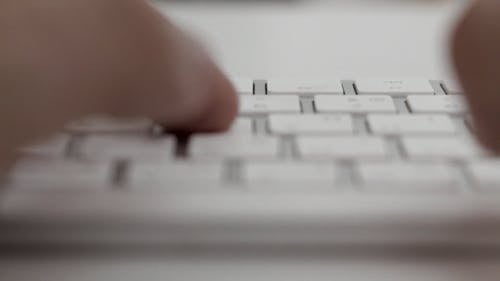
<point>64,59</point>
<point>476,52</point>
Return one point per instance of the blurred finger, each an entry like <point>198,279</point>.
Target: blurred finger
<point>178,83</point>
<point>476,52</point>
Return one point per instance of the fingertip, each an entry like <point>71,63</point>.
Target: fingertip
<point>488,140</point>
<point>222,108</point>
<point>230,104</point>
<point>462,47</point>
<point>475,56</point>
<point>217,106</point>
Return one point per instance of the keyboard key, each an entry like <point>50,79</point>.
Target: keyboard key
<point>177,175</point>
<point>395,87</point>
<point>129,147</point>
<point>441,147</point>
<point>310,124</point>
<point>269,104</point>
<point>437,104</point>
<point>290,173</point>
<point>354,104</point>
<point>407,177</point>
<point>342,147</point>
<point>486,173</point>
<point>385,124</point>
<point>110,125</point>
<point>55,146</point>
<point>60,175</point>
<point>241,126</point>
<point>304,87</point>
<point>243,86</point>
<point>233,146</point>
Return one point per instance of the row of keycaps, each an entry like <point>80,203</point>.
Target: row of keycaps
<point>331,136</point>
<point>392,87</point>
<point>379,124</point>
<point>387,176</point>
<point>383,124</point>
<point>351,104</point>
<point>330,147</point>
<point>341,124</point>
<point>338,147</point>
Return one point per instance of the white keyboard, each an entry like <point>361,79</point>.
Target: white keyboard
<point>323,138</point>
<point>378,131</point>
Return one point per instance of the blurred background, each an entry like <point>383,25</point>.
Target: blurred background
<point>344,39</point>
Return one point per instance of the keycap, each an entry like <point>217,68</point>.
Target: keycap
<point>55,146</point>
<point>441,147</point>
<point>395,87</point>
<point>486,173</point>
<point>354,104</point>
<point>227,146</point>
<point>60,175</point>
<point>392,124</point>
<point>407,177</point>
<point>437,104</point>
<point>453,88</point>
<point>304,87</point>
<point>99,124</point>
<point>269,104</point>
<point>243,86</point>
<point>178,175</point>
<point>128,147</point>
<point>342,147</point>
<point>290,173</point>
<point>310,124</point>
<point>241,126</point>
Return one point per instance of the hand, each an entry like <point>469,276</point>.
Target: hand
<point>476,51</point>
<point>64,59</point>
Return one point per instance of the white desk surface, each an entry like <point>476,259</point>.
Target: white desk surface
<point>345,40</point>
